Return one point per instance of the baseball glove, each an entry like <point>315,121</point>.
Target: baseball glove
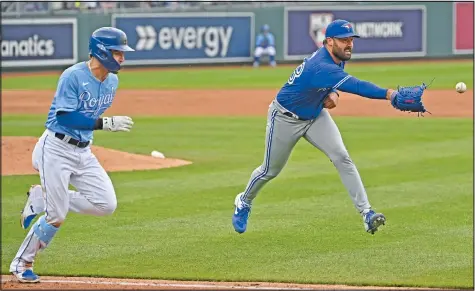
<point>409,98</point>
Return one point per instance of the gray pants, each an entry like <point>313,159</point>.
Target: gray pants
<point>283,133</point>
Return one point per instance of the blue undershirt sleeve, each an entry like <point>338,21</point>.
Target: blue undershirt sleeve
<point>363,88</point>
<point>336,78</point>
<point>76,120</point>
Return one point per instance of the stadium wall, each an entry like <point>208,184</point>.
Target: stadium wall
<point>224,35</point>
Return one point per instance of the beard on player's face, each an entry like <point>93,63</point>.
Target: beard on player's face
<point>342,50</point>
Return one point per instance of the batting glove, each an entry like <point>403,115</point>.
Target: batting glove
<point>117,123</point>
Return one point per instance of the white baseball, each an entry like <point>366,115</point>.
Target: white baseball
<point>157,154</point>
<point>461,87</point>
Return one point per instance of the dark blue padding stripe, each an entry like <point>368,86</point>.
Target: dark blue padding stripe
<point>267,157</point>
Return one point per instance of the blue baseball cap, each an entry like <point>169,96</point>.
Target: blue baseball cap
<point>340,29</point>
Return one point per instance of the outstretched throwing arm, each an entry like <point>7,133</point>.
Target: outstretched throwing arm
<point>404,99</point>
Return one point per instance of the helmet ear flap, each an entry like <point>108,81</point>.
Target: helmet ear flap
<point>102,52</point>
<point>98,48</point>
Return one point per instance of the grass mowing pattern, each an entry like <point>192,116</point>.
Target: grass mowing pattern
<point>176,223</point>
<point>385,75</point>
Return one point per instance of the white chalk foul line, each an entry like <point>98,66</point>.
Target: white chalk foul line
<point>167,285</point>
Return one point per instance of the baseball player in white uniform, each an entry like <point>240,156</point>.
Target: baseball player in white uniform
<point>63,156</point>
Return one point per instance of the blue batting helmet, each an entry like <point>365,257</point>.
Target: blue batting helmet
<point>103,41</point>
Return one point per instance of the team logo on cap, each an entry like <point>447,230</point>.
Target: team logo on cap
<point>318,24</point>
<point>347,26</point>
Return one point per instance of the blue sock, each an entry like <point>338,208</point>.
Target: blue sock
<point>256,59</point>
<point>271,58</point>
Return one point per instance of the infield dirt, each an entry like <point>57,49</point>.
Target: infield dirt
<point>16,154</point>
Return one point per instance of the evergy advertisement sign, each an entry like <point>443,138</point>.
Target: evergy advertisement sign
<point>39,42</point>
<point>462,28</point>
<point>385,31</point>
<point>182,38</point>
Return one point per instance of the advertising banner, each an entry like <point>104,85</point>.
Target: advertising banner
<point>182,38</point>
<point>385,31</point>
<point>462,28</point>
<point>39,42</point>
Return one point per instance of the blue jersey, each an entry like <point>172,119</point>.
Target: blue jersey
<point>78,90</point>
<point>314,79</point>
<point>265,41</point>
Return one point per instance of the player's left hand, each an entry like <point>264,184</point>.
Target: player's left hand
<point>117,123</point>
<point>409,99</point>
<point>331,101</point>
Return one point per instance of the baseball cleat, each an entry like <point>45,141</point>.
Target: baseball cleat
<point>241,214</point>
<point>373,220</point>
<point>27,276</point>
<point>28,213</point>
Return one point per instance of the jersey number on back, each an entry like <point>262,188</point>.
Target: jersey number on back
<point>297,72</point>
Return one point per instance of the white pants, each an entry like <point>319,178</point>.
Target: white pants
<point>259,51</point>
<point>59,165</point>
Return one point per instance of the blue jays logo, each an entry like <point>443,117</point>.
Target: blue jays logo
<point>318,24</point>
<point>347,26</point>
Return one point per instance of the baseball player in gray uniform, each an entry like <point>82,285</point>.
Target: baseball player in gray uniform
<point>300,111</point>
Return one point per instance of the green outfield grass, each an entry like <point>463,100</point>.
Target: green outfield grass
<point>176,223</point>
<point>387,75</point>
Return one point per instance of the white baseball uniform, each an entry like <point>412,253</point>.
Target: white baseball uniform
<point>63,156</point>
